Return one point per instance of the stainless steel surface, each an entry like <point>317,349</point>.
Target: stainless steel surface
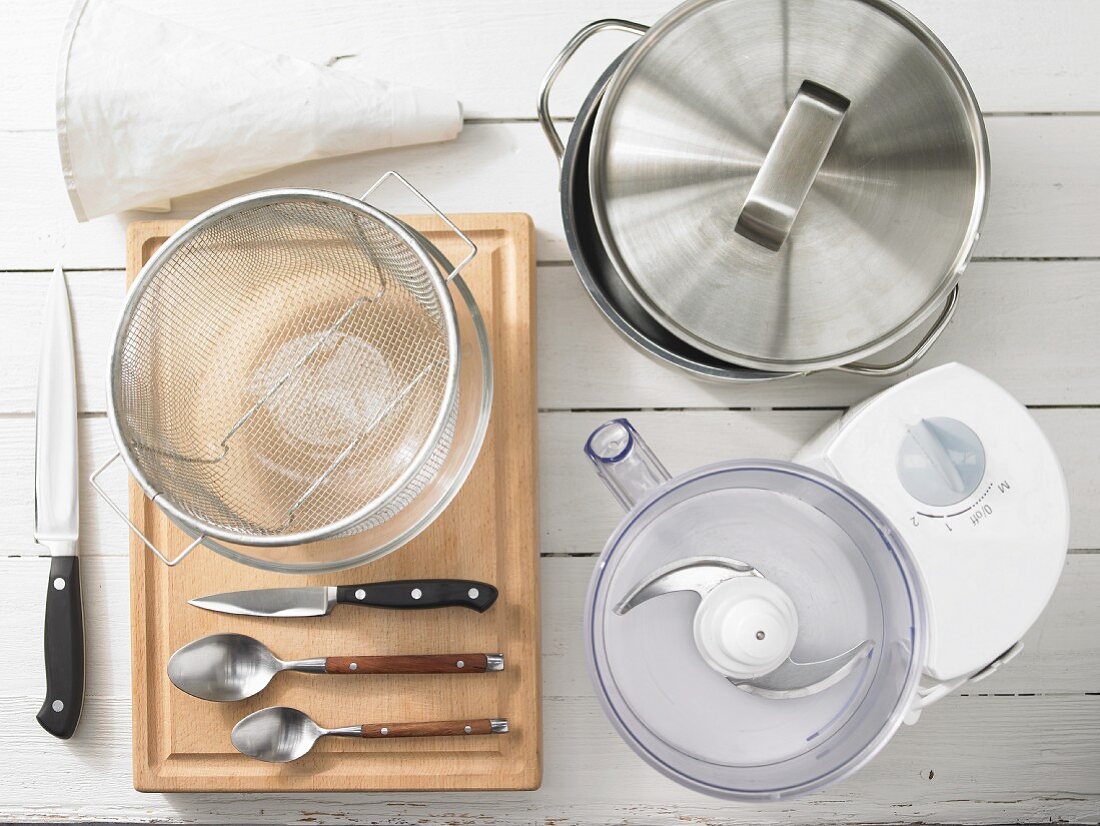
<point>793,680</point>
<point>909,360</point>
<point>791,165</point>
<point>498,726</point>
<point>272,602</point>
<point>227,667</point>
<point>56,475</point>
<point>494,662</point>
<point>281,734</point>
<point>887,227</point>
<point>701,575</point>
<point>285,370</point>
<point>598,274</point>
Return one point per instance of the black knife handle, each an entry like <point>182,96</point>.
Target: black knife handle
<point>64,648</point>
<point>420,593</point>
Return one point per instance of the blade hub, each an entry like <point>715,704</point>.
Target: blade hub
<point>745,627</point>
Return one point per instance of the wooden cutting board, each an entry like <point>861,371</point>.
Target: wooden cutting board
<point>488,533</point>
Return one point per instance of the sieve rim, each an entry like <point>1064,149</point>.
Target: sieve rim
<point>419,246</point>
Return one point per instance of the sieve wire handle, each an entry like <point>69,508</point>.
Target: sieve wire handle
<point>106,497</point>
<point>423,198</point>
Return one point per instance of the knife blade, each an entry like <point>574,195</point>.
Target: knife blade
<point>57,514</point>
<point>316,601</point>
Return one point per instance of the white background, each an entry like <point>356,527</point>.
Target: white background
<point>1026,749</point>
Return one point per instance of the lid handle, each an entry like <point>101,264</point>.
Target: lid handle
<point>791,165</point>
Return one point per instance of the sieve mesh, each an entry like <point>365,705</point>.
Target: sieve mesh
<point>284,366</point>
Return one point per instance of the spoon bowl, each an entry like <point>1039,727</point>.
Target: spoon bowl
<point>276,735</point>
<point>223,667</point>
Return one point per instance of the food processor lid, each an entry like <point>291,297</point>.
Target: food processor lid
<point>812,565</point>
<point>789,184</point>
<point>969,478</point>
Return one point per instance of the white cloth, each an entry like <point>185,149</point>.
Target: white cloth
<point>148,109</point>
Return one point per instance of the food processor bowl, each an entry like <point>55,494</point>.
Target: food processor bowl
<point>847,572</point>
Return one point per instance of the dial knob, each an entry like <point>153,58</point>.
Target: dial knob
<point>941,461</point>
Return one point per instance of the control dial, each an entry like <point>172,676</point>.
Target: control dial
<point>941,461</point>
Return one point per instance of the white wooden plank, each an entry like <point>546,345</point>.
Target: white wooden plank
<point>1020,56</point>
<point>1028,325</point>
<point>576,514</point>
<point>967,761</point>
<point>1061,652</point>
<point>1045,192</point>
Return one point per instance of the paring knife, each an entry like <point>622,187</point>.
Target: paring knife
<point>57,514</point>
<point>320,600</point>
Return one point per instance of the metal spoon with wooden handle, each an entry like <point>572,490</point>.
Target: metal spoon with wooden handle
<point>281,734</point>
<point>227,667</point>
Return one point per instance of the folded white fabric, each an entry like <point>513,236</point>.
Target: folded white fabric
<point>148,109</point>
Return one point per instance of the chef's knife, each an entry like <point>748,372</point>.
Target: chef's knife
<point>320,600</point>
<point>57,514</point>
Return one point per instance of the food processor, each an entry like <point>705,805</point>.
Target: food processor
<point>759,629</point>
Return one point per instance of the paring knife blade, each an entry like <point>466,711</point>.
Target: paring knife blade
<point>316,601</point>
<point>57,514</point>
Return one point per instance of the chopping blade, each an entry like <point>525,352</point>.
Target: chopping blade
<point>57,515</point>
<point>701,574</point>
<point>271,602</point>
<point>706,575</point>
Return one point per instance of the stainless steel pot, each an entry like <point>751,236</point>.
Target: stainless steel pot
<point>707,278</point>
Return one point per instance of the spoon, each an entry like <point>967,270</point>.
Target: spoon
<point>281,734</point>
<point>227,667</point>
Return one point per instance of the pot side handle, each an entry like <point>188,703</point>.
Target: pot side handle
<point>624,462</point>
<point>861,368</point>
<point>548,128</point>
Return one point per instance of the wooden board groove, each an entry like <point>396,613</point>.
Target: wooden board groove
<point>489,532</point>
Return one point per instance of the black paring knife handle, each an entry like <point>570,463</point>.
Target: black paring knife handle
<point>64,648</point>
<point>420,593</point>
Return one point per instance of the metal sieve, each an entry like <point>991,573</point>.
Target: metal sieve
<point>285,370</point>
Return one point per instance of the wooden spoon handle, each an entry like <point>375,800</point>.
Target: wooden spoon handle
<point>443,728</point>
<point>415,664</point>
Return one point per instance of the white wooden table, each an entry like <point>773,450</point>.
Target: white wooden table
<point>1026,749</point>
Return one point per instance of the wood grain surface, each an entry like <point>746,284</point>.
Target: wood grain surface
<point>439,728</point>
<point>488,533</point>
<point>408,664</point>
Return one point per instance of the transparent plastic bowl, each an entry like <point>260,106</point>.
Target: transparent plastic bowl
<point>834,554</point>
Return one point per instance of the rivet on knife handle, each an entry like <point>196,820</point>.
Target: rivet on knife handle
<point>420,593</point>
<point>415,664</point>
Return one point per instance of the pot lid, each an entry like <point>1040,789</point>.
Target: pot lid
<point>789,184</point>
<point>715,582</point>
